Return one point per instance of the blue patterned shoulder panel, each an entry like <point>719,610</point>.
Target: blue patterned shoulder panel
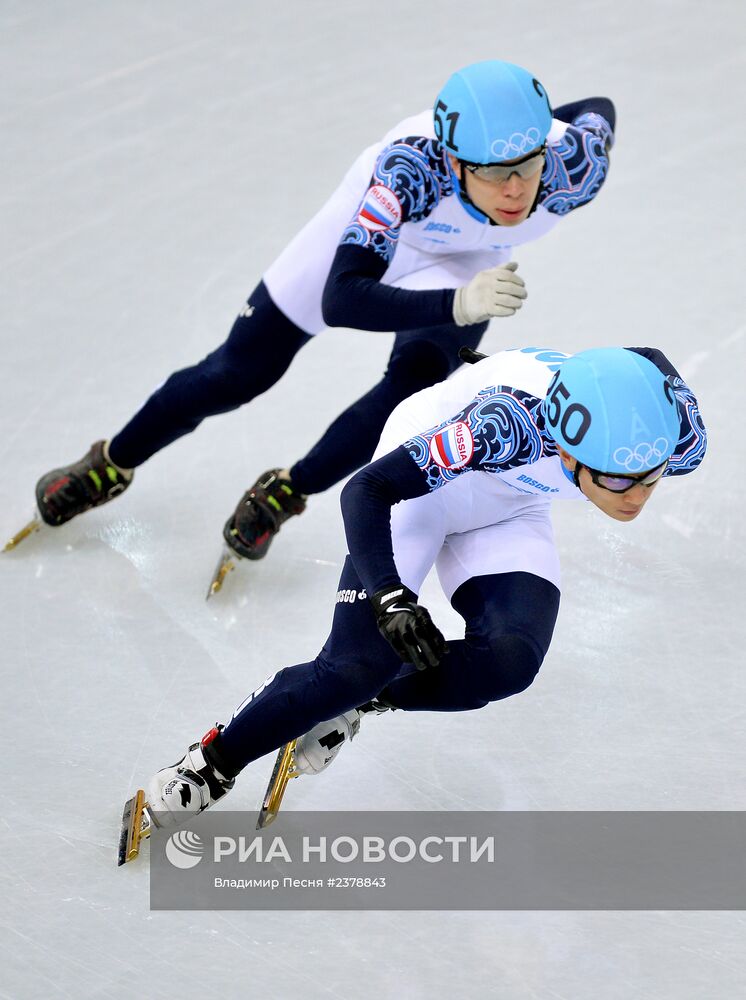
<point>410,177</point>
<point>500,429</point>
<point>692,437</point>
<point>577,166</point>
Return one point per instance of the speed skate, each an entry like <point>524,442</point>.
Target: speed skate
<point>34,525</point>
<point>285,768</point>
<point>137,824</point>
<point>177,793</point>
<point>226,564</point>
<point>249,531</point>
<point>310,754</point>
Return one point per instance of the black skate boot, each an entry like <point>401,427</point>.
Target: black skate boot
<point>261,513</point>
<point>64,493</point>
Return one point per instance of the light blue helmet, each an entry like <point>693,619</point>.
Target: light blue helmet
<point>492,111</point>
<point>613,411</point>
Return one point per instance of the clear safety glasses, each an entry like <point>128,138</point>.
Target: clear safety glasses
<point>498,173</point>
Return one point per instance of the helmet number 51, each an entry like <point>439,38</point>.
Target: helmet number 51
<point>451,118</point>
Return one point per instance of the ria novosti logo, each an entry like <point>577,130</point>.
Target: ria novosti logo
<point>184,849</point>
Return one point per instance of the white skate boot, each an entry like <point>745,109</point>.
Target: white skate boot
<point>181,791</point>
<point>315,750</point>
<point>311,754</point>
<point>174,795</point>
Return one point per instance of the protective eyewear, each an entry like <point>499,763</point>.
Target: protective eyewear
<point>620,484</point>
<point>498,173</point>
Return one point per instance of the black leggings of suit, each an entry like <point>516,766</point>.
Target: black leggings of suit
<point>509,619</point>
<point>258,351</point>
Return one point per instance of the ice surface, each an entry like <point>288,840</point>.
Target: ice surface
<point>154,158</point>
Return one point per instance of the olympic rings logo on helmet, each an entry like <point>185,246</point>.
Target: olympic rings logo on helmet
<point>518,144</point>
<point>644,455</point>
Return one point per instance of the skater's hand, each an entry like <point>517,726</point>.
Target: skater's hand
<point>408,627</point>
<point>499,291</point>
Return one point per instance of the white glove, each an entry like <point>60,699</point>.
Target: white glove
<point>495,292</point>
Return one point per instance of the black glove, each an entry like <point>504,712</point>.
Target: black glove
<point>408,627</point>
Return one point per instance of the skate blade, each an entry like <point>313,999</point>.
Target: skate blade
<point>33,525</point>
<point>226,564</point>
<point>282,772</point>
<point>136,827</point>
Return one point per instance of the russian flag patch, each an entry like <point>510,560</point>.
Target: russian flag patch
<point>453,446</point>
<point>381,209</point>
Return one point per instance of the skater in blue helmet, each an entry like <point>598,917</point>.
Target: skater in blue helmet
<point>418,239</point>
<point>605,426</point>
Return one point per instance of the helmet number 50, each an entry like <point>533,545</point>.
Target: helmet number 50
<point>451,118</point>
<point>555,412</point>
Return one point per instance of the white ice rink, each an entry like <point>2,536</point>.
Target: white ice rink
<point>154,158</point>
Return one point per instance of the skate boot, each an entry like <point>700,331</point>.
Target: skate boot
<point>261,513</point>
<point>311,754</point>
<point>192,784</point>
<point>315,751</point>
<point>64,493</point>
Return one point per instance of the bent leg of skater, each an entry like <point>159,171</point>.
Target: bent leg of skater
<point>355,663</point>
<point>258,351</point>
<point>509,622</point>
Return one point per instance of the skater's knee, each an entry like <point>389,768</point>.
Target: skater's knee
<point>224,382</point>
<point>509,666</point>
<point>356,679</point>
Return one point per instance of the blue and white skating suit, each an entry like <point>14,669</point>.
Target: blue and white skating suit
<point>477,487</point>
<point>398,220</point>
